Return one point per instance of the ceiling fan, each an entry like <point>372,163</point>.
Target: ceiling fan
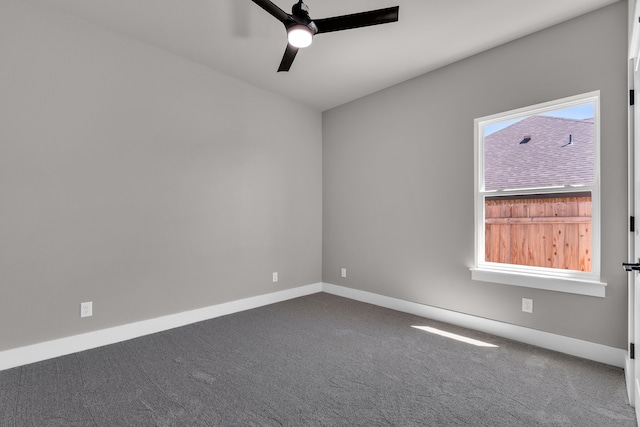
<point>301,28</point>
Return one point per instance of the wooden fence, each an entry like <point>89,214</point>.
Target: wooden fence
<point>543,232</point>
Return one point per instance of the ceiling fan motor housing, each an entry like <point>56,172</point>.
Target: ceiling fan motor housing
<point>300,16</point>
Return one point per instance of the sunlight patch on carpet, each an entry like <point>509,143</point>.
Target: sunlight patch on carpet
<point>454,336</point>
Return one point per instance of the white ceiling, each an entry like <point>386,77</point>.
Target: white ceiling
<point>239,38</point>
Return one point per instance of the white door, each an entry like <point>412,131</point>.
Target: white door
<point>633,365</point>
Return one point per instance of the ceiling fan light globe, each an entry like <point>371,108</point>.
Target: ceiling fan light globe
<point>299,36</point>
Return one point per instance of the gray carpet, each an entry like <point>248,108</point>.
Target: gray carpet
<point>319,360</point>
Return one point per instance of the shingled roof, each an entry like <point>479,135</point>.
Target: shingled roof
<point>540,151</point>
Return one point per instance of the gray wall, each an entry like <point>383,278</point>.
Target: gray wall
<point>399,173</point>
<point>141,181</point>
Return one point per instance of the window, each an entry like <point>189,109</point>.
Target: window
<point>537,204</point>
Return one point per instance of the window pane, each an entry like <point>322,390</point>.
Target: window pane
<point>555,148</point>
<point>550,230</point>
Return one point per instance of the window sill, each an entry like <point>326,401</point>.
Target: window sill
<point>538,281</point>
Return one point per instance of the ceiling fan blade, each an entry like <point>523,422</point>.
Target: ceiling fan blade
<point>357,20</point>
<point>287,59</point>
<point>274,10</point>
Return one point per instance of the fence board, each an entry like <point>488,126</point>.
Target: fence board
<point>545,232</point>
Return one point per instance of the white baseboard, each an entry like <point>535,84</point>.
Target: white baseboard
<point>584,349</point>
<point>63,346</point>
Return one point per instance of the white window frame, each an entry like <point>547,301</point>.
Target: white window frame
<point>576,282</point>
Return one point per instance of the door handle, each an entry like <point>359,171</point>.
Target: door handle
<point>630,266</point>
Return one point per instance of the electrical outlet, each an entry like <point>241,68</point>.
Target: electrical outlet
<point>343,272</point>
<point>275,276</point>
<point>527,305</point>
<point>86,309</point>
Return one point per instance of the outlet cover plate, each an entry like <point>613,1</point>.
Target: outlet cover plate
<point>86,309</point>
<point>527,305</point>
